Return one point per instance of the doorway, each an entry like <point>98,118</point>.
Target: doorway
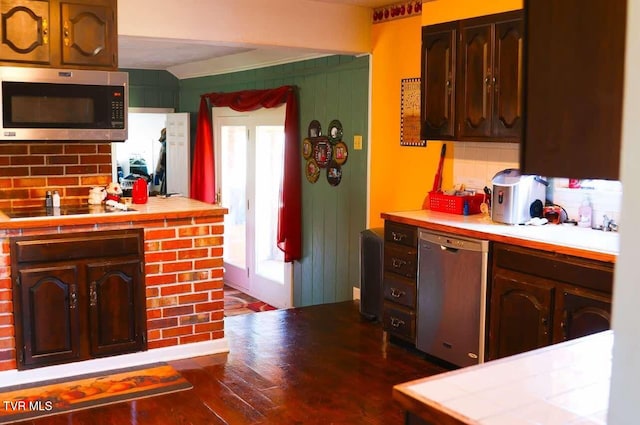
<point>249,150</point>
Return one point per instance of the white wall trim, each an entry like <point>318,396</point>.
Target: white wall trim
<point>164,354</point>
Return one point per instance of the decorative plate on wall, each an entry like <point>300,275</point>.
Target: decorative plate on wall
<point>315,130</point>
<point>335,131</point>
<point>340,153</point>
<point>307,148</point>
<point>311,170</point>
<point>322,151</point>
<point>334,173</point>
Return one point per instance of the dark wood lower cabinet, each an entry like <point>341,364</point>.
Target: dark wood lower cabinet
<point>48,312</point>
<point>521,313</point>
<point>78,296</point>
<point>540,298</point>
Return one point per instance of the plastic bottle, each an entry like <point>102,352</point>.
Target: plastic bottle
<point>48,200</point>
<point>56,199</point>
<point>585,214</point>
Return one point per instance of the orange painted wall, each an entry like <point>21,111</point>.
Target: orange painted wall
<point>400,177</point>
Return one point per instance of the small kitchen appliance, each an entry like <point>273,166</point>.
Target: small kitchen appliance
<point>517,198</point>
<point>140,191</point>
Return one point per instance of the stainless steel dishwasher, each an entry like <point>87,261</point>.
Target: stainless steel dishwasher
<point>452,286</point>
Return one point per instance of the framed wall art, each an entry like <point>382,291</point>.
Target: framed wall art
<point>410,113</point>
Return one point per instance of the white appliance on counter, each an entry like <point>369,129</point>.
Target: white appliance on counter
<point>452,292</point>
<point>517,198</point>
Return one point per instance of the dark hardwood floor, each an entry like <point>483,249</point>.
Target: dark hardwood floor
<point>313,365</point>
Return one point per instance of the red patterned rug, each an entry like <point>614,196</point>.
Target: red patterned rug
<point>237,302</point>
<point>29,401</point>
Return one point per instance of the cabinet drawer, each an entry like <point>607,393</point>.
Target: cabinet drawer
<point>401,260</point>
<point>596,275</point>
<point>73,246</point>
<point>400,291</point>
<point>402,234</point>
<point>399,321</point>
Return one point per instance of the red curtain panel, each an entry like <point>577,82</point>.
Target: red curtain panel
<point>203,173</point>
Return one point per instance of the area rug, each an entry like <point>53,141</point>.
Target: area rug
<point>40,399</point>
<point>237,302</point>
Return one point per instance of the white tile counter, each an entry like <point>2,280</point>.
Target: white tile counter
<point>566,383</point>
<point>572,240</point>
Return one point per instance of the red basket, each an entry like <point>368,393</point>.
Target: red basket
<point>455,204</point>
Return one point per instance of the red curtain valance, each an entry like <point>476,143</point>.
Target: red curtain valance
<point>203,173</point>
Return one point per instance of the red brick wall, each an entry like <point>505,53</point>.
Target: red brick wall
<point>28,170</point>
<point>183,261</point>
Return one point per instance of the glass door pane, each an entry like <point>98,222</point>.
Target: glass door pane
<point>268,177</point>
<point>233,144</point>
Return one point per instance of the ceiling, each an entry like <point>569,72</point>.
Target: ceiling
<point>176,55</point>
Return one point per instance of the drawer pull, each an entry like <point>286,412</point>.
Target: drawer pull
<point>398,237</point>
<point>397,293</point>
<point>397,262</point>
<point>396,323</point>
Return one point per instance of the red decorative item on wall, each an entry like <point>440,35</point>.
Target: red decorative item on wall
<point>404,9</point>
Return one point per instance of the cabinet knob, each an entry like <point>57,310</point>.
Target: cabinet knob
<point>396,323</point>
<point>397,262</point>
<point>93,294</point>
<point>396,293</point>
<point>398,236</point>
<point>74,298</point>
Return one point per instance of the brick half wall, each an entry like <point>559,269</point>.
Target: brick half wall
<point>184,285</point>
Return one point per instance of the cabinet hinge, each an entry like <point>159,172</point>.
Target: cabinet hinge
<point>141,267</point>
<point>21,354</point>
<point>144,337</point>
<point>18,282</point>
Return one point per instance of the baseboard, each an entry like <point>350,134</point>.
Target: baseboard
<point>175,352</point>
<point>356,293</point>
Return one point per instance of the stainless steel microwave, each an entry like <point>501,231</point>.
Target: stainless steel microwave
<point>63,104</point>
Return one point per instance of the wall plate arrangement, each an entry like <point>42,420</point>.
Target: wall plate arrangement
<point>325,151</point>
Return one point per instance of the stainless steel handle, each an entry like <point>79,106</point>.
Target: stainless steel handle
<point>397,293</point>
<point>396,323</point>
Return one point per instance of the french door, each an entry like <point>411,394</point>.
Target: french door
<point>249,151</point>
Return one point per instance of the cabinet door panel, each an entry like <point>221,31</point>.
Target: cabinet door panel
<point>49,314</point>
<point>88,34</point>
<point>476,77</point>
<point>507,120</point>
<point>25,31</point>
<point>521,313</point>
<point>583,314</point>
<point>438,82</point>
<point>574,88</point>
<point>115,290</point>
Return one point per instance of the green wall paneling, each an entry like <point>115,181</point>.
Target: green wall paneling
<point>152,89</point>
<point>333,87</point>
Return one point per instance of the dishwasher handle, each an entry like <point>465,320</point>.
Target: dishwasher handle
<point>449,249</point>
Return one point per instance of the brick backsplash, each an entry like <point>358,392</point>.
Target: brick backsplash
<point>28,170</point>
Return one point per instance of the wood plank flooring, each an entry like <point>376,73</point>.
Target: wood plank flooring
<point>312,365</point>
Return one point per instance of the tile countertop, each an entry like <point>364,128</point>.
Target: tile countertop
<point>566,383</point>
<point>155,208</point>
<point>571,240</point>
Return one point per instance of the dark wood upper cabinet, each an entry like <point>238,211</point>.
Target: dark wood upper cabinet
<point>472,79</point>
<point>59,33</point>
<point>438,81</point>
<point>574,68</point>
